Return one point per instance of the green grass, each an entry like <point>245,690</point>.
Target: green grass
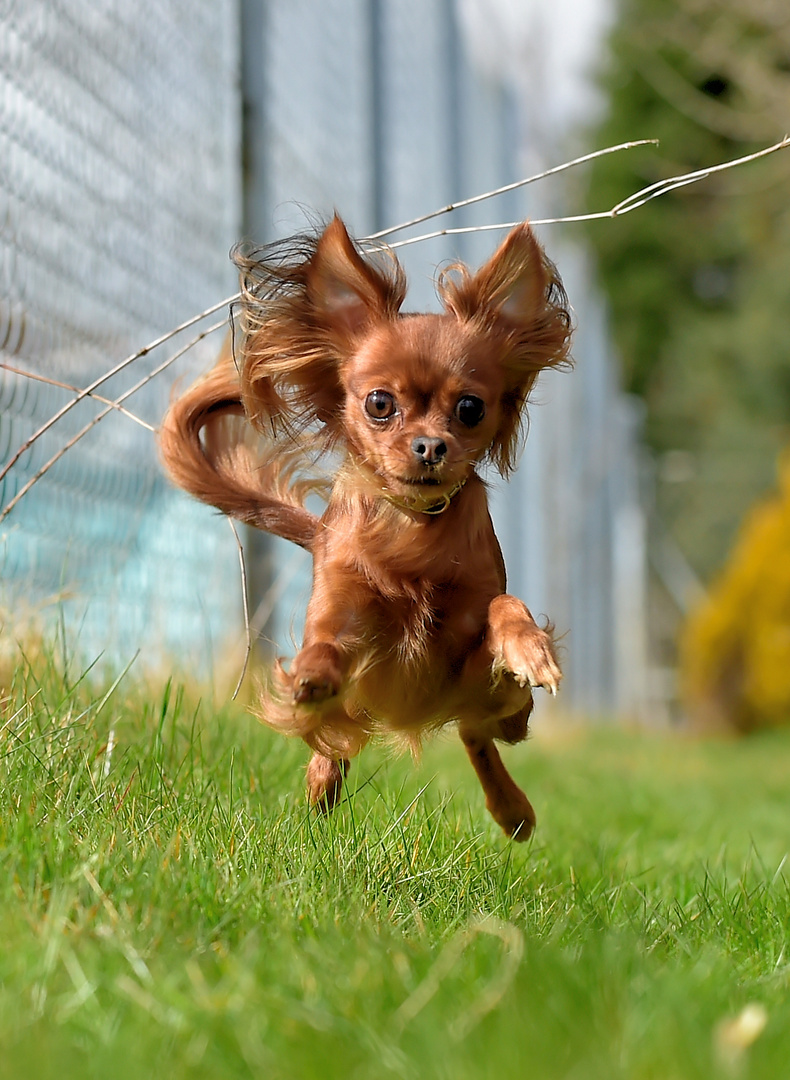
<point>171,908</point>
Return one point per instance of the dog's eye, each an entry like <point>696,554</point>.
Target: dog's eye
<point>380,405</point>
<point>470,410</point>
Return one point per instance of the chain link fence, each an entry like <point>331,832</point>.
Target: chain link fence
<point>119,199</point>
<point>137,142</point>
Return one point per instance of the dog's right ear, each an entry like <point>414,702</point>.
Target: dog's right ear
<point>305,302</point>
<point>346,291</point>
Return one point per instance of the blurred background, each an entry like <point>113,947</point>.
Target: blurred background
<point>139,142</point>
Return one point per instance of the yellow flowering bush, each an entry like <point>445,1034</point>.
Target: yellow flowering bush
<point>735,651</point>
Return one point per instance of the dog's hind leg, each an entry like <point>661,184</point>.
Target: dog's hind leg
<point>325,781</point>
<point>505,801</point>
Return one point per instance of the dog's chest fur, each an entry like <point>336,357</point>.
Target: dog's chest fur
<point>428,582</point>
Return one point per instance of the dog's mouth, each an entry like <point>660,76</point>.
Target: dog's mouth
<point>428,494</point>
<point>426,483</point>
<point>423,481</point>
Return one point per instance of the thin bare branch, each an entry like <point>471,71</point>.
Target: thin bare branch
<point>661,187</point>
<point>109,374</point>
<point>100,416</point>
<point>268,602</point>
<point>245,607</point>
<point>75,390</point>
<point>510,187</point>
<point>632,202</point>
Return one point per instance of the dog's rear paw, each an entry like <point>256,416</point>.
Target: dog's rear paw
<point>514,816</point>
<point>324,781</point>
<point>315,674</point>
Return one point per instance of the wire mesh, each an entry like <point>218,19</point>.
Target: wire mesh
<point>119,181</point>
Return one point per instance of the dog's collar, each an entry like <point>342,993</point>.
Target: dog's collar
<point>438,506</point>
<point>422,502</point>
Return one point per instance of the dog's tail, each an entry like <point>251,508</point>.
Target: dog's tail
<point>205,444</point>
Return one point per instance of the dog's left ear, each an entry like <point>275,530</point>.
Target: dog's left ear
<point>512,284</point>
<point>517,290</point>
<point>518,299</point>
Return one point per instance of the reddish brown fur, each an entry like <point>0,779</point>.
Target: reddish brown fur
<point>408,627</point>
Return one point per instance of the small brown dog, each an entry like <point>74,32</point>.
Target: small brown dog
<point>409,626</point>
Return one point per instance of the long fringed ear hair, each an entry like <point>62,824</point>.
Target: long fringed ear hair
<point>518,299</point>
<point>304,302</point>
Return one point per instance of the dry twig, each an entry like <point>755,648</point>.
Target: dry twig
<point>36,377</point>
<point>88,390</point>
<point>99,416</point>
<point>632,202</point>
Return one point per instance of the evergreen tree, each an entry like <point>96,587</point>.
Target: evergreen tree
<point>699,281</point>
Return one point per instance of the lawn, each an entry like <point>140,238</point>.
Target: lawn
<point>170,908</point>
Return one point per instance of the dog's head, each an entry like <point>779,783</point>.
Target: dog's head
<point>419,400</point>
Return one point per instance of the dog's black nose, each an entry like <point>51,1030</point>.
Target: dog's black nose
<point>429,449</point>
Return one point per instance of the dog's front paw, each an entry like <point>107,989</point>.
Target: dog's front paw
<point>315,674</point>
<point>528,655</point>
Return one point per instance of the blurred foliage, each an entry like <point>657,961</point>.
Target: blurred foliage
<point>699,281</point>
<point>735,649</point>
